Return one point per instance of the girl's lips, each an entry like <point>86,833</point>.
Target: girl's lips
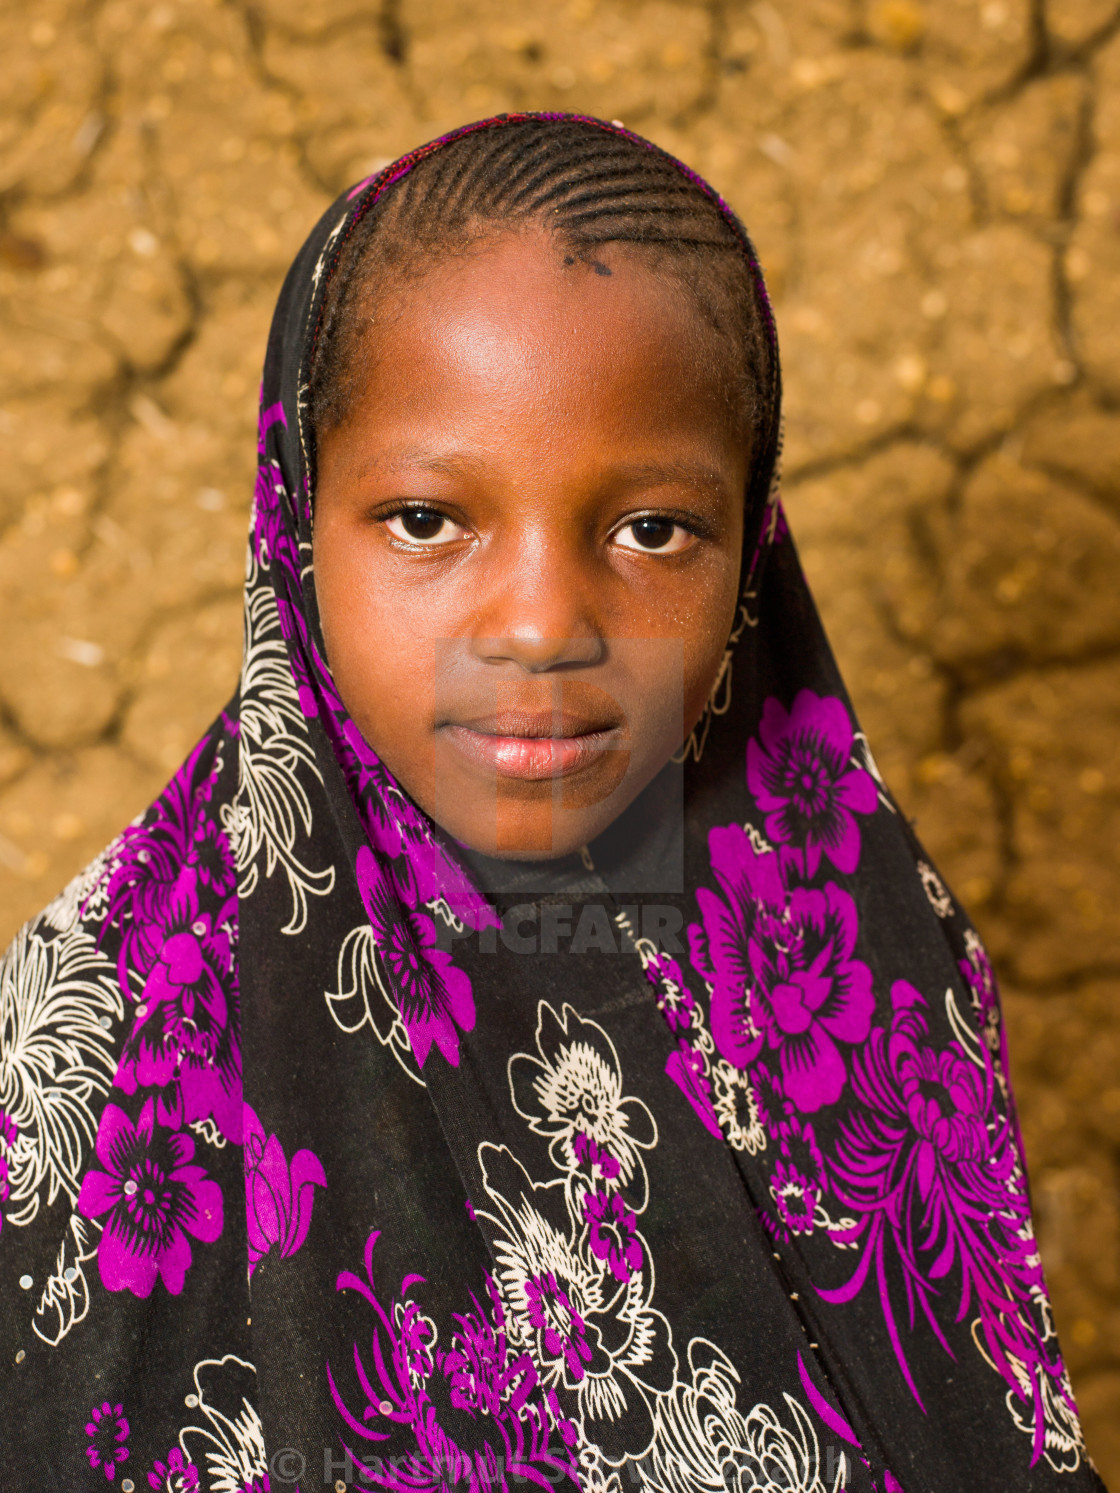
<point>535,758</point>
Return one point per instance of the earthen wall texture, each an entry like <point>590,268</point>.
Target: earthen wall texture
<point>935,193</point>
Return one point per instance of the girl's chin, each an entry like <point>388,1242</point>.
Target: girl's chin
<point>517,831</point>
<point>528,837</point>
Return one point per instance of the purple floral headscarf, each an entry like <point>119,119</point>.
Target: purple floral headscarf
<point>317,1170</point>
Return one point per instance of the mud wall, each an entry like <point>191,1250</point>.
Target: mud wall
<point>935,193</point>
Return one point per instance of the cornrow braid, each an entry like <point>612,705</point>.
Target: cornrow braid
<point>588,185</point>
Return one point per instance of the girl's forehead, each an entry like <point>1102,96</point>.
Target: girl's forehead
<point>523,316</point>
<point>503,264</point>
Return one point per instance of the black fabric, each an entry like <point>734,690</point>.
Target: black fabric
<point>688,1163</point>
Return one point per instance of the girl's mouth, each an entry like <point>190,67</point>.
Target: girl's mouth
<point>534,748</point>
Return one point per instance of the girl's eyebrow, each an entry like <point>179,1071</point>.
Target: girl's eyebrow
<point>696,474</point>
<point>450,464</point>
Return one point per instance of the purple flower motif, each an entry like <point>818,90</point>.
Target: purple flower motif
<point>515,1432</point>
<point>151,870</point>
<point>207,1091</point>
<point>596,1158</point>
<point>473,1365</point>
<point>154,1197</point>
<point>184,1040</point>
<point>781,968</point>
<point>674,999</point>
<point>933,1170</point>
<point>170,893</point>
<point>945,1104</point>
<point>562,1329</point>
<point>176,1475</point>
<point>8,1132</point>
<point>614,1233</point>
<point>795,1198</point>
<point>436,874</point>
<point>798,1181</point>
<point>435,998</point>
<point>370,784</point>
<point>417,1339</point>
<point>107,1430</point>
<point>279,1195</point>
<point>211,854</point>
<point>687,1069</point>
<point>422,868</point>
<point>803,781</point>
<point>293,629</point>
<point>811,994</point>
<point>942,1095</point>
<point>272,541</point>
<point>720,945</point>
<point>772,1103</point>
<point>183,1008</point>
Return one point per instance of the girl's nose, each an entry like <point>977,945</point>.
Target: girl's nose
<point>536,652</point>
<point>540,611</point>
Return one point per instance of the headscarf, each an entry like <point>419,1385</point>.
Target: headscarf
<point>322,1164</point>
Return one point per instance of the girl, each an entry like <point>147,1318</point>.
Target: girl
<point>619,1098</point>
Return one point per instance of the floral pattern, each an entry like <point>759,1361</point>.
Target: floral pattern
<point>920,1177</point>
<point>59,1002</point>
<point>173,1475</point>
<point>568,1340</point>
<point>801,774</point>
<point>434,996</point>
<point>226,1441</point>
<point>780,962</point>
<point>150,1197</point>
<point>279,1194</point>
<point>518,1434</point>
<point>570,1092</point>
<point>107,1430</point>
<point>938,1178</point>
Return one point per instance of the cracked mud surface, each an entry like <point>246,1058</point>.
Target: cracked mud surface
<point>935,193</point>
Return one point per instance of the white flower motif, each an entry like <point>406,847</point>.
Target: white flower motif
<point>590,1335</point>
<point>362,998</point>
<point>531,1247</point>
<point>704,1442</point>
<point>737,1109</point>
<point>934,888</point>
<point>573,1088</point>
<point>272,811</point>
<point>59,1000</point>
<point>232,1439</point>
<point>64,1301</point>
<point>1063,1441</point>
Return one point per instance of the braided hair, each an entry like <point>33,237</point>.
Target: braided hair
<point>587,185</point>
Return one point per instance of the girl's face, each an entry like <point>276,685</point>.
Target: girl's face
<point>527,539</point>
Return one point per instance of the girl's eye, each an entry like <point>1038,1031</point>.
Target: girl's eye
<point>423,526</point>
<point>654,535</point>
